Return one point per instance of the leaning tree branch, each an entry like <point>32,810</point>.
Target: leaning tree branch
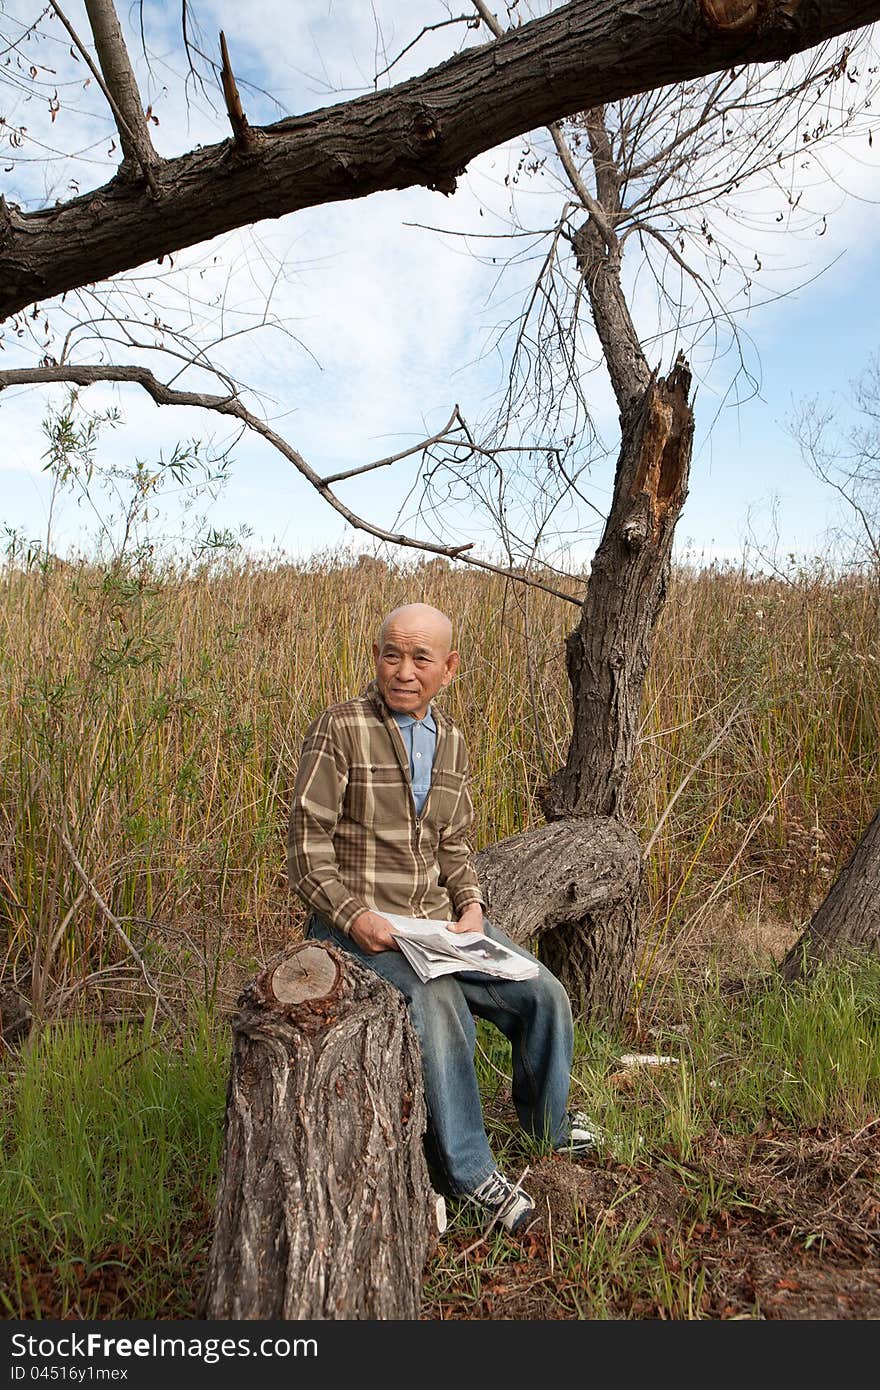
<point>117,81</point>
<point>230,405</point>
<point>423,132</point>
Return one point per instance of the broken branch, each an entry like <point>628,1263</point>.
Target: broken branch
<point>244,136</point>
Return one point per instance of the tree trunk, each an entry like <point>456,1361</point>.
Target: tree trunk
<point>848,921</point>
<point>607,658</point>
<point>609,650</point>
<point>324,1205</point>
<point>593,951</point>
<point>573,888</point>
<point>423,131</point>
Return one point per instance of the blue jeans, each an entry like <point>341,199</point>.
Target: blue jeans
<point>535,1015</point>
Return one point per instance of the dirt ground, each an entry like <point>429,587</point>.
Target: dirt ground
<point>795,1234</point>
<point>796,1237</point>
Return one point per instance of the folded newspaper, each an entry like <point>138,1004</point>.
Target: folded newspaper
<point>432,950</point>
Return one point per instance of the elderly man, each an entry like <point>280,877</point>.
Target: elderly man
<point>379,823</point>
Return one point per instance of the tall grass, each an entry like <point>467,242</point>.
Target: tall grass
<point>153,719</point>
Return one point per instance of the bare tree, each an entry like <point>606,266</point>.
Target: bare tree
<point>844,453</point>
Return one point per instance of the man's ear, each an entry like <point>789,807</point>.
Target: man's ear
<point>451,667</point>
<point>376,653</point>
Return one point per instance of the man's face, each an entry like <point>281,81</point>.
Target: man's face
<point>413,662</point>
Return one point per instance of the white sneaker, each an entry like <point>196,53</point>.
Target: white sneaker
<point>584,1135</point>
<point>503,1201</point>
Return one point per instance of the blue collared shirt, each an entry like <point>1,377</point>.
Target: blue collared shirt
<point>419,739</point>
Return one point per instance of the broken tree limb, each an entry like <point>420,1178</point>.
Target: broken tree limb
<point>242,133</point>
<point>608,652</point>
<point>571,887</point>
<point>324,1205</point>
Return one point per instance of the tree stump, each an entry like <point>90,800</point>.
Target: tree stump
<point>324,1204</point>
<point>573,887</point>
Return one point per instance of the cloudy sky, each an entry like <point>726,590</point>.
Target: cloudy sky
<point>382,314</point>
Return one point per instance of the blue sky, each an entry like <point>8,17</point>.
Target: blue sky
<point>385,323</point>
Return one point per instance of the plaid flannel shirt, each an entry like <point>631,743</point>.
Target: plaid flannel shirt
<point>354,841</point>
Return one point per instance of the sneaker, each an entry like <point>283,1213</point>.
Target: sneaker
<point>439,1204</point>
<point>584,1135</point>
<point>503,1201</point>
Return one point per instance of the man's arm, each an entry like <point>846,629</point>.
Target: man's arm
<point>313,870</point>
<point>318,793</point>
<point>457,872</point>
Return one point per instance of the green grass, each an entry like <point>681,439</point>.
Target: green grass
<point>803,1057</point>
<point>111,1144</point>
<point>782,1064</point>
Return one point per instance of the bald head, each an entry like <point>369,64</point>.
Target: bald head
<point>414,658</point>
<point>420,619</point>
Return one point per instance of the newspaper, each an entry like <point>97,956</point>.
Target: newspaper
<point>432,950</point>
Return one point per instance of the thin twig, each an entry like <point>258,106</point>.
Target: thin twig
<point>118,927</point>
<point>61,996</point>
<point>395,458</point>
<point>533,698</point>
<point>710,748</point>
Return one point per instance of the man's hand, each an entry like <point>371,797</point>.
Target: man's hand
<point>373,933</point>
<point>471,919</point>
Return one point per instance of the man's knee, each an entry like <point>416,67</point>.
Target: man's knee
<point>439,1013</point>
<point>551,998</point>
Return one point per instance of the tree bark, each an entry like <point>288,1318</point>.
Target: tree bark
<point>572,887</point>
<point>607,658</point>
<point>608,653</point>
<point>424,131</point>
<point>848,921</point>
<point>324,1206</point>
